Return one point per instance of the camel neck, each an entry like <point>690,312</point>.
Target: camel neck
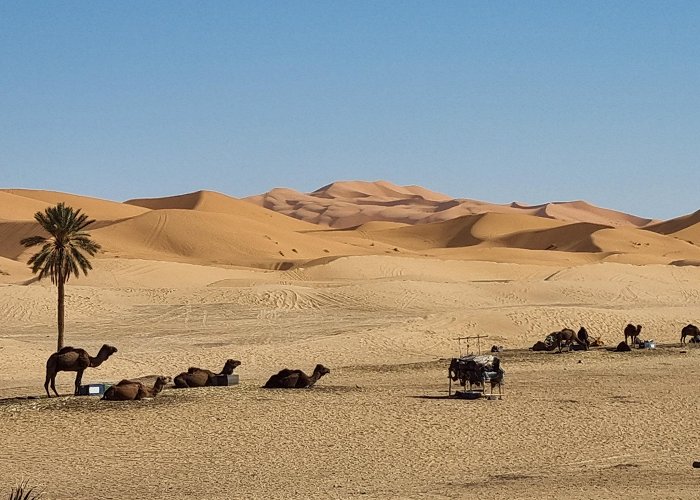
<point>157,387</point>
<point>314,378</point>
<point>97,360</point>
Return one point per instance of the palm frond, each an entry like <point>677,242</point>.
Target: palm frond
<point>32,241</point>
<point>24,492</point>
<point>63,252</point>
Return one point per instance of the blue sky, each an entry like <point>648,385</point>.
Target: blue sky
<point>498,101</point>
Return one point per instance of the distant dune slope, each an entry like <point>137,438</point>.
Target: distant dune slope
<point>212,238</point>
<point>16,207</point>
<point>210,201</point>
<point>352,203</point>
<point>94,207</point>
<point>685,228</point>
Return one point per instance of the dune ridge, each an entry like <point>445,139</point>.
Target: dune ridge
<point>350,203</point>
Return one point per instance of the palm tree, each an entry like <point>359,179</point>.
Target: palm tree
<point>61,255</point>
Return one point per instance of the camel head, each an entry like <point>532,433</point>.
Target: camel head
<point>107,350</point>
<point>321,370</point>
<point>230,365</point>
<point>161,382</point>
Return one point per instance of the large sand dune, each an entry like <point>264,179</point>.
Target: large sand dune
<point>195,279</point>
<point>352,203</point>
<point>96,208</point>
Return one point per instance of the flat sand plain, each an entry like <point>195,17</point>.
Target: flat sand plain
<point>595,424</point>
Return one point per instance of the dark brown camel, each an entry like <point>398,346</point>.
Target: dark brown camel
<point>130,390</point>
<point>632,332</point>
<point>563,338</point>
<point>295,379</point>
<point>689,331</point>
<point>71,359</point>
<point>199,377</point>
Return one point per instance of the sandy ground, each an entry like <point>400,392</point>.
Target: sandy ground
<point>592,424</point>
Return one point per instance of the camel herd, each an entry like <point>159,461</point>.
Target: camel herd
<point>567,338</point>
<point>71,359</point>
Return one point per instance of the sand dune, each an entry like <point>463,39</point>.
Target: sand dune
<point>209,201</point>
<point>96,208</point>
<point>212,238</point>
<point>685,228</point>
<point>580,211</point>
<point>352,203</point>
<point>16,207</point>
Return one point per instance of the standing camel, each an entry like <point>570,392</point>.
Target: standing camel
<point>199,377</point>
<point>295,379</point>
<point>130,390</point>
<point>632,332</point>
<point>689,331</point>
<point>71,359</point>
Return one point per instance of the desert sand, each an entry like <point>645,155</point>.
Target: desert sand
<point>195,279</point>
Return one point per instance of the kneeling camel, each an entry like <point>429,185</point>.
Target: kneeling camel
<point>295,379</point>
<point>130,390</point>
<point>199,377</point>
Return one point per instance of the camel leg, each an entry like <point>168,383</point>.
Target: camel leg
<point>78,379</point>
<point>53,385</point>
<point>46,384</point>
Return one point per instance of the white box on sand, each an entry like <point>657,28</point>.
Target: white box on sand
<point>96,389</point>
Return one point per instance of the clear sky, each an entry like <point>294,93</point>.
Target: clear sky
<point>493,100</point>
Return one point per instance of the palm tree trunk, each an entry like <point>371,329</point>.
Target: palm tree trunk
<point>61,303</point>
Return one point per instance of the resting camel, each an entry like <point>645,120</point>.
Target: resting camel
<point>71,359</point>
<point>689,331</point>
<point>566,337</point>
<point>632,332</point>
<point>199,377</point>
<point>130,390</point>
<point>295,379</point>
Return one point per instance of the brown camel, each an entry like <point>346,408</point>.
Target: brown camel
<point>199,377</point>
<point>632,332</point>
<point>689,331</point>
<point>130,390</point>
<point>566,337</point>
<point>71,359</point>
<point>295,379</point>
